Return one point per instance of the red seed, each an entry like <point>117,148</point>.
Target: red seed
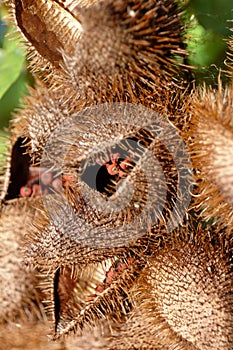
<point>100,288</point>
<point>36,190</point>
<point>25,191</point>
<point>67,180</point>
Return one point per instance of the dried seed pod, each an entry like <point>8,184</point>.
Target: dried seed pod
<point>49,28</point>
<point>156,189</point>
<point>85,226</point>
<point>71,36</point>
<point>146,37</point>
<point>19,295</point>
<point>212,153</point>
<point>184,295</point>
<point>152,29</point>
<point>78,310</point>
<point>33,335</point>
<point>69,281</point>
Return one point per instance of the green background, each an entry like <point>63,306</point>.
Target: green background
<point>208,28</point>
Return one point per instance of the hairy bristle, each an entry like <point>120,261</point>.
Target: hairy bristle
<point>184,296</point>
<point>211,151</point>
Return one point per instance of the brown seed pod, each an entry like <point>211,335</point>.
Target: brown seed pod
<point>131,69</point>
<point>48,27</point>
<point>88,227</point>
<point>183,297</point>
<point>146,35</point>
<point>71,274</point>
<point>19,296</point>
<point>70,36</point>
<point>152,29</point>
<point>33,335</point>
<point>212,153</point>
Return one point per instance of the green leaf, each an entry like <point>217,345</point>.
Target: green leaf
<point>10,67</point>
<point>201,48</point>
<point>3,147</point>
<point>11,62</point>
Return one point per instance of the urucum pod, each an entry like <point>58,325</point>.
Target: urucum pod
<point>127,174</point>
<point>20,297</point>
<point>211,151</point>
<point>127,52</point>
<point>127,168</point>
<point>184,296</point>
<point>57,34</point>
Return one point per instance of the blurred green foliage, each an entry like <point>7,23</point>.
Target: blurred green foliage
<point>11,63</point>
<point>4,143</point>
<point>210,22</point>
<point>207,31</point>
<point>13,72</point>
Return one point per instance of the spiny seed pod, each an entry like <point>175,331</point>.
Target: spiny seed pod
<point>127,51</point>
<point>88,225</point>
<point>19,296</point>
<point>76,303</point>
<point>33,335</point>
<point>148,35</point>
<point>133,67</point>
<point>184,295</point>
<point>27,288</point>
<point>212,153</point>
